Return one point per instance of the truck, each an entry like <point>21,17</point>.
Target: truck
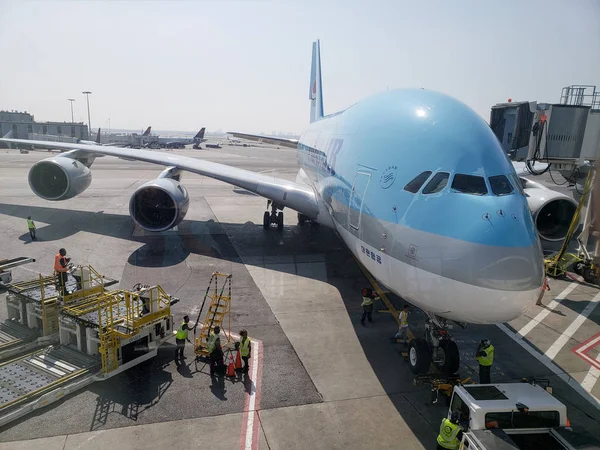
<point>510,416</point>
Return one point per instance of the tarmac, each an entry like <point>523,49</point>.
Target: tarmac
<point>319,378</point>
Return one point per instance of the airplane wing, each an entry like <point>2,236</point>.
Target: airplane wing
<point>296,196</point>
<point>291,143</point>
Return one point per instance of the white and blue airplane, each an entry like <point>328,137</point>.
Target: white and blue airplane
<point>415,183</point>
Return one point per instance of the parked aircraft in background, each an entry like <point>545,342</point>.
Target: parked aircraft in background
<point>415,183</point>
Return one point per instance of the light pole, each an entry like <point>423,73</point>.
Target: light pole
<point>87,94</point>
<point>71,100</point>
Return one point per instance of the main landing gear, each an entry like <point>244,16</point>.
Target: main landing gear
<point>273,216</point>
<point>436,346</point>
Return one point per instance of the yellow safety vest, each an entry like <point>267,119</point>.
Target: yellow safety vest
<point>245,347</point>
<point>30,224</point>
<point>489,359</point>
<point>212,341</point>
<point>366,301</point>
<point>181,333</point>
<point>448,435</point>
<point>403,318</point>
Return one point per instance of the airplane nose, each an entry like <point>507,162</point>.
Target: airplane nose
<point>522,270</point>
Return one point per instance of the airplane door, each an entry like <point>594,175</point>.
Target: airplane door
<point>361,182</point>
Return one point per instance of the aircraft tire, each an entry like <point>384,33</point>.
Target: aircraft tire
<point>301,219</point>
<point>419,356</point>
<point>266,220</point>
<point>280,220</point>
<point>451,357</point>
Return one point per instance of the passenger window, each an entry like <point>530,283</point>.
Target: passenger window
<point>469,184</point>
<point>414,185</point>
<point>437,183</point>
<point>500,185</point>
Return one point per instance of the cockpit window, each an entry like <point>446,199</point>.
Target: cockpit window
<point>500,185</point>
<point>414,185</point>
<point>517,183</point>
<point>437,183</point>
<point>469,184</point>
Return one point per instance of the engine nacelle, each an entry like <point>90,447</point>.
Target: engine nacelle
<point>59,178</point>
<point>159,205</point>
<point>552,211</point>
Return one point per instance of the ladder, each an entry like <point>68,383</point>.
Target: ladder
<point>109,347</point>
<point>218,310</point>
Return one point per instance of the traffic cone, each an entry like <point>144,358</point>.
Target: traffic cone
<point>230,367</point>
<point>238,361</point>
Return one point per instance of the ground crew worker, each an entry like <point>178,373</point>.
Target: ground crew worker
<point>450,433</point>
<point>485,356</point>
<point>367,304</point>
<point>181,337</point>
<point>245,348</point>
<point>31,227</point>
<point>403,331</point>
<point>214,350</point>
<point>61,265</point>
<point>545,288</point>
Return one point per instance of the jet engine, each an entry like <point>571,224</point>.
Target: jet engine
<point>59,178</point>
<point>552,211</point>
<point>159,205</point>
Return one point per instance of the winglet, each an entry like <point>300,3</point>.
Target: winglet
<point>98,137</point>
<point>8,135</point>
<point>147,132</point>
<point>316,89</point>
<point>200,133</point>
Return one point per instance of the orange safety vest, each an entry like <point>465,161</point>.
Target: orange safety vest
<point>57,266</point>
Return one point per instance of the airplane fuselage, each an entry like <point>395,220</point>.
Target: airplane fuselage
<point>463,252</point>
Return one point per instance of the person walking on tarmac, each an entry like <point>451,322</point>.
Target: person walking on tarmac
<point>367,305</point>
<point>61,266</point>
<point>450,433</point>
<point>485,357</point>
<point>31,227</point>
<point>214,349</point>
<point>403,331</point>
<point>181,337</point>
<point>245,349</point>
<point>545,288</point>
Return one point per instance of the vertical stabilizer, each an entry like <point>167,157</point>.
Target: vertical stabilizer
<point>147,132</point>
<point>98,137</point>
<point>200,134</point>
<point>316,89</point>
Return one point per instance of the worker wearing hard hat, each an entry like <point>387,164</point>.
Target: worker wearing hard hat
<point>181,337</point>
<point>367,305</point>
<point>485,357</point>
<point>450,433</point>
<point>61,266</point>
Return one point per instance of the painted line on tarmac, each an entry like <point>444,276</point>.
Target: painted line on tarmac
<point>249,437</point>
<point>592,376</point>
<point>550,365</point>
<point>579,320</point>
<point>542,315</point>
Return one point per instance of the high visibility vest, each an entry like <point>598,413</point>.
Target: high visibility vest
<point>57,265</point>
<point>403,319</point>
<point>30,224</point>
<point>212,341</point>
<point>367,301</point>
<point>245,347</point>
<point>448,435</point>
<point>489,359</point>
<point>181,333</point>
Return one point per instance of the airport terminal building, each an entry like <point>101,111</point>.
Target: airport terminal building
<point>23,125</point>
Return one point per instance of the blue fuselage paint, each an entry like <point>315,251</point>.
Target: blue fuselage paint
<point>359,161</point>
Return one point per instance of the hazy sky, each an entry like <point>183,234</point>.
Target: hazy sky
<point>244,65</point>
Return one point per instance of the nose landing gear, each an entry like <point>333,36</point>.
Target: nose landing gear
<point>436,346</point>
<point>273,216</point>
